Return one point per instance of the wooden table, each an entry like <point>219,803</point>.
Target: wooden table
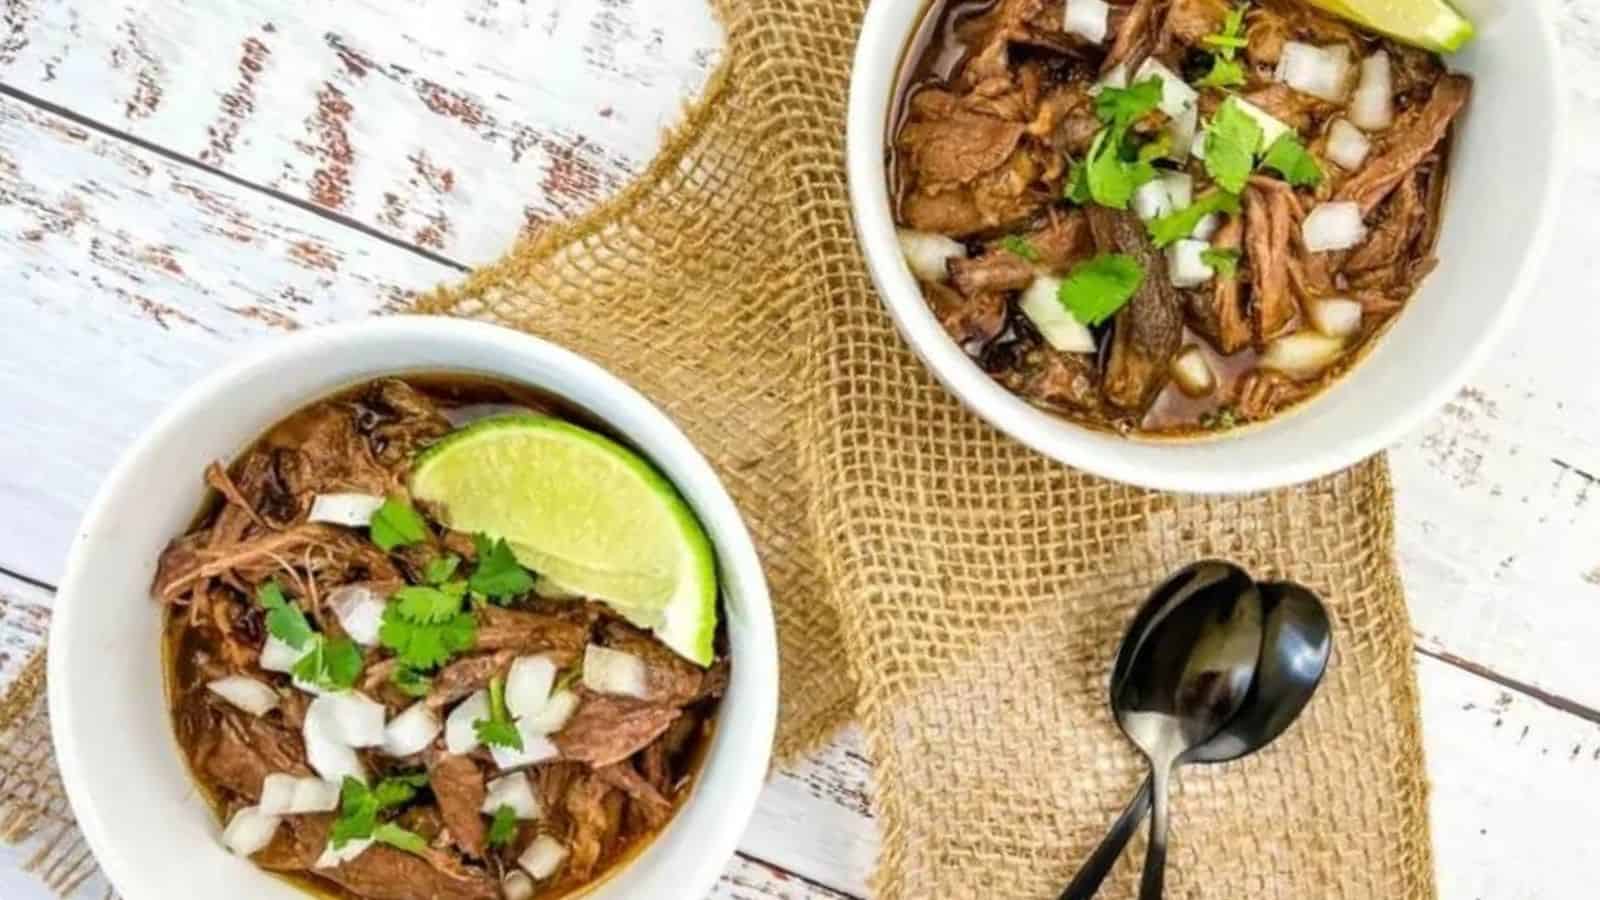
<point>180,180</point>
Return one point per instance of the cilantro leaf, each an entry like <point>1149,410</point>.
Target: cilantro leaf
<point>397,524</point>
<point>498,574</point>
<point>398,790</point>
<point>1175,226</point>
<point>503,830</point>
<point>498,730</point>
<point>1292,160</point>
<point>411,682</point>
<point>1231,144</point>
<point>1112,180</point>
<point>1230,40</point>
<point>1020,246</point>
<point>1121,107</point>
<point>426,645</point>
<point>285,620</point>
<point>399,838</point>
<point>1077,187</point>
<point>1223,262</point>
<point>1225,73</point>
<point>360,805</point>
<point>430,605</point>
<point>440,568</point>
<point>331,664</point>
<point>1096,289</point>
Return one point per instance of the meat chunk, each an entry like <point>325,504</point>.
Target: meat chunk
<point>996,270</point>
<point>1298,111</point>
<point>958,149</point>
<point>1149,329</point>
<point>401,421</point>
<point>1261,393</point>
<point>1269,224</point>
<point>296,845</point>
<point>466,676</point>
<point>1056,380</point>
<point>595,810</point>
<point>235,751</point>
<point>334,555</point>
<point>1407,144</point>
<point>971,322</point>
<point>1402,221</point>
<point>1220,315</point>
<point>330,455</point>
<point>1132,36</point>
<point>384,873</point>
<point>608,729</point>
<point>524,631</point>
<point>458,785</point>
<point>1189,22</point>
<point>652,806</point>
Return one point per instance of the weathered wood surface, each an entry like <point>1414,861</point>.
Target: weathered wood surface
<point>221,172</point>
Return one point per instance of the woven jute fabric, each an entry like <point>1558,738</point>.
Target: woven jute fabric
<point>959,594</point>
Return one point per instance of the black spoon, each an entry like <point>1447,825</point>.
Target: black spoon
<point>1298,642</point>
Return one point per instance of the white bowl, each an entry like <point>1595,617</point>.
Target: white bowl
<point>132,794</point>
<point>1506,169</point>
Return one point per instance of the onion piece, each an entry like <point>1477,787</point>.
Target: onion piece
<point>360,612</point>
<point>1182,130</point>
<point>1322,72</point>
<point>278,656</point>
<point>1336,317</point>
<point>460,734</point>
<point>331,858</point>
<point>287,795</point>
<point>1089,19</point>
<point>1180,188</point>
<point>1347,146</point>
<point>1192,373</point>
<point>1041,303</point>
<point>1271,127</point>
<point>1116,78</point>
<point>327,740</point>
<point>351,510</point>
<point>553,716</point>
<point>528,684</point>
<point>459,416</point>
<point>517,886</point>
<point>536,748</point>
<point>614,672</point>
<point>515,791</point>
<point>1333,226</point>
<point>249,831</point>
<point>350,718</point>
<point>248,694</point>
<point>1372,105</point>
<point>546,854</point>
<point>1301,355</point>
<point>929,254</point>
<point>411,731</point>
<point>1151,200</point>
<point>1186,266</point>
<point>1177,97</point>
<point>1206,228</point>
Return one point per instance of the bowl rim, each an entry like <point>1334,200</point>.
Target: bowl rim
<point>1064,440</point>
<point>746,765</point>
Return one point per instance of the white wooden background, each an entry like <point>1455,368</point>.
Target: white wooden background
<point>179,179</point>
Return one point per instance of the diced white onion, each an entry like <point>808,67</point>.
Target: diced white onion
<point>1322,72</point>
<point>614,672</point>
<point>1302,354</point>
<point>1089,19</point>
<point>1198,148</point>
<point>546,854</point>
<point>351,718</point>
<point>465,415</point>
<point>517,886</point>
<point>553,716</point>
<point>278,656</point>
<point>249,831</point>
<point>1347,146</point>
<point>1116,78</point>
<point>1271,128</point>
<point>528,684</point>
<point>460,734</point>
<point>1206,228</point>
<point>1336,317</point>
<point>248,694</point>
<point>1192,373</point>
<point>1151,200</point>
<point>515,791</point>
<point>1180,188</point>
<point>331,857</point>
<point>1333,226</point>
<point>360,612</point>
<point>1185,266</point>
<point>1177,97</point>
<point>352,510</point>
<point>1041,303</point>
<point>1182,130</point>
<point>929,254</point>
<point>1372,105</point>
<point>411,731</point>
<point>327,745</point>
<point>536,748</point>
<point>287,795</point>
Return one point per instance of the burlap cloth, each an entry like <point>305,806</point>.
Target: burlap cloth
<point>960,595</point>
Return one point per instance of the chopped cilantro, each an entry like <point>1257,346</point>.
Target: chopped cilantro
<point>1292,160</point>
<point>1076,189</point>
<point>1113,170</point>
<point>503,830</point>
<point>1223,262</point>
<point>399,838</point>
<point>440,568</point>
<point>498,730</point>
<point>1231,144</point>
<point>1111,179</point>
<point>397,790</point>
<point>1156,149</point>
<point>498,575</point>
<point>359,807</point>
<point>1230,40</point>
<point>1096,289</point>
<point>285,620</point>
<point>1121,107</point>
<point>332,664</point>
<point>1176,226</point>
<point>428,604</point>
<point>397,524</point>
<point>411,682</point>
<point>425,626</point>
<point>1225,73</point>
<point>1222,419</point>
<point>1019,245</point>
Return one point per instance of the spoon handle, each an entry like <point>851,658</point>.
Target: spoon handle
<point>1087,882</point>
<point>1155,860</point>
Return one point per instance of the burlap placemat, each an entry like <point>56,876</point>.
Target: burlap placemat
<point>962,595</point>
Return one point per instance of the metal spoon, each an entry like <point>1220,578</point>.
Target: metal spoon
<point>1298,642</point>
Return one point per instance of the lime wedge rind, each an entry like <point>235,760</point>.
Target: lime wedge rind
<point>1431,24</point>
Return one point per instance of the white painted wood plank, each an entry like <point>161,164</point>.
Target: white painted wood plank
<point>450,125</point>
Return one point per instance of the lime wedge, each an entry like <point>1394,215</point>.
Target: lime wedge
<point>585,513</point>
<point>1432,24</point>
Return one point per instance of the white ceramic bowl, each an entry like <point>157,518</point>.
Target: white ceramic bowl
<point>130,790</point>
<point>1506,169</point>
